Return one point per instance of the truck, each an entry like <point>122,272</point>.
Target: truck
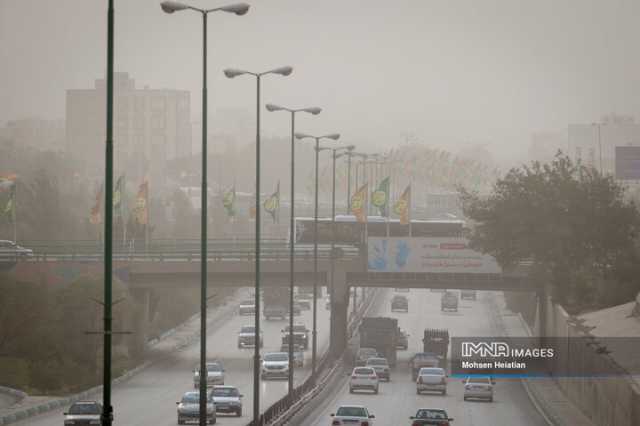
<point>380,333</point>
<point>276,302</point>
<point>435,345</point>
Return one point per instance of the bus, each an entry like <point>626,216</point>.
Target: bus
<point>348,231</point>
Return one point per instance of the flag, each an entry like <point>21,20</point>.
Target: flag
<point>272,203</point>
<point>96,211</point>
<point>229,201</point>
<point>380,197</point>
<point>359,204</point>
<point>402,206</point>
<point>118,195</point>
<point>252,212</point>
<point>8,184</point>
<point>141,212</point>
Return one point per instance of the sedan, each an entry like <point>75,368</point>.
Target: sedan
<point>227,399</point>
<point>11,250</point>
<point>478,388</point>
<point>355,415</point>
<point>189,408</point>
<point>430,416</point>
<point>84,412</point>
<point>364,378</point>
<point>215,374</point>
<point>381,367</point>
<point>247,307</point>
<point>431,380</point>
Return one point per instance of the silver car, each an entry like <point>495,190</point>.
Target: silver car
<point>11,251</point>
<point>189,408</point>
<point>478,388</point>
<point>275,365</point>
<point>215,374</point>
<point>83,413</point>
<point>431,380</point>
<point>381,367</point>
<point>227,399</point>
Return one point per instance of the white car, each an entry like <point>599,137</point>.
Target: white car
<point>247,307</point>
<point>215,374</point>
<point>189,408</point>
<point>275,365</point>
<point>431,380</point>
<point>381,367</point>
<point>352,415</point>
<point>84,412</point>
<point>10,250</point>
<point>364,378</point>
<point>227,399</point>
<point>478,388</point>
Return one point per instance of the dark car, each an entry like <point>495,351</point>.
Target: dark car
<point>449,301</point>
<point>300,335</point>
<point>363,355</point>
<point>84,413</point>
<point>430,416</point>
<point>468,294</point>
<point>399,303</point>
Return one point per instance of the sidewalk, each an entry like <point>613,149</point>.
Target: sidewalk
<point>545,394</point>
<point>170,341</point>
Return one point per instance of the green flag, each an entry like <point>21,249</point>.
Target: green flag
<point>229,201</point>
<point>380,197</point>
<point>118,196</point>
<point>8,185</point>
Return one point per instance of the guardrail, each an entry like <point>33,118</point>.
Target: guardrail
<point>283,409</point>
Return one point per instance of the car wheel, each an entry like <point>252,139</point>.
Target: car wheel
<point>350,390</point>
<point>464,398</point>
<point>375,391</point>
<point>491,399</point>
<point>239,413</point>
<point>417,391</point>
<point>180,422</point>
<point>444,392</point>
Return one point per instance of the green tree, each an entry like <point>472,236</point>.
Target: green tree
<point>572,222</point>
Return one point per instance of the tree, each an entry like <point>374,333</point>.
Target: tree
<point>572,222</point>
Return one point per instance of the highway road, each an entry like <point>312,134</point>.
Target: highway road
<point>398,400</point>
<point>149,398</point>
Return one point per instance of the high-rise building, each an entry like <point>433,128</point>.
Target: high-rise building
<point>594,144</point>
<point>151,127</point>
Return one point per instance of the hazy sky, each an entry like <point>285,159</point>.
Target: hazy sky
<point>450,71</point>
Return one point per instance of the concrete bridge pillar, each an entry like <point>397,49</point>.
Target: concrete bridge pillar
<point>141,320</point>
<point>339,313</point>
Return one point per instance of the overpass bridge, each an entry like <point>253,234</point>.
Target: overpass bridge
<point>231,262</point>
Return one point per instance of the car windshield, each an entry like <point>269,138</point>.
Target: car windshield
<point>214,367</point>
<point>352,412</point>
<point>297,328</point>
<point>190,398</point>
<point>84,409</point>
<point>367,352</point>
<point>377,361</point>
<point>482,380</point>
<point>363,371</point>
<point>248,302</point>
<point>431,371</point>
<point>431,414</point>
<point>247,329</point>
<point>280,356</point>
<point>225,392</point>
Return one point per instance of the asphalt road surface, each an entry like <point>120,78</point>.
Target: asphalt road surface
<point>398,400</point>
<point>149,398</point>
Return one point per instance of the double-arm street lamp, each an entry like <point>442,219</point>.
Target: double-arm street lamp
<point>314,111</point>
<point>237,9</point>
<point>231,73</point>
<point>314,343</point>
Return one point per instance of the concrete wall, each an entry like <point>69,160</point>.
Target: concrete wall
<point>607,401</point>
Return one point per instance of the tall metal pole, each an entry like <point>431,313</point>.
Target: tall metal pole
<point>291,252</point>
<point>350,154</point>
<point>600,146</point>
<point>107,412</point>
<point>256,353</point>
<point>315,271</point>
<point>203,237</point>
<point>333,242</point>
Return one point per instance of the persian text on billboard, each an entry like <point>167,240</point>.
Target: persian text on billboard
<point>437,255</point>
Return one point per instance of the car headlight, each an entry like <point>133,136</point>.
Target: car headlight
<point>94,422</point>
<point>69,422</point>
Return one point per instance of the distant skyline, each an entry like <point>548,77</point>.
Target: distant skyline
<point>450,73</point>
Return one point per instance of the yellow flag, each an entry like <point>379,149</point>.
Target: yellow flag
<point>359,204</point>
<point>403,206</point>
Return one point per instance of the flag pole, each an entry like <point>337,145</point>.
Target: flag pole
<point>147,206</point>
<point>15,209</point>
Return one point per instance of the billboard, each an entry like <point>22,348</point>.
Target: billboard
<point>628,162</point>
<point>438,255</point>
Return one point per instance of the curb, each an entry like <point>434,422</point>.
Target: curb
<point>64,401</point>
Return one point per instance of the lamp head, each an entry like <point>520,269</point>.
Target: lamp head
<point>350,148</point>
<point>172,6</point>
<point>237,8</point>
<point>302,135</point>
<point>233,72</point>
<point>312,110</point>
<point>334,136</point>
<point>273,107</point>
<point>284,71</point>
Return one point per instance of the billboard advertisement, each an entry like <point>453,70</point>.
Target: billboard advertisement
<point>628,162</point>
<point>437,255</point>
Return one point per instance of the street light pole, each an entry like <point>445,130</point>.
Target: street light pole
<point>231,73</point>
<point>314,333</point>
<point>107,411</point>
<point>237,9</point>
<point>314,111</point>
